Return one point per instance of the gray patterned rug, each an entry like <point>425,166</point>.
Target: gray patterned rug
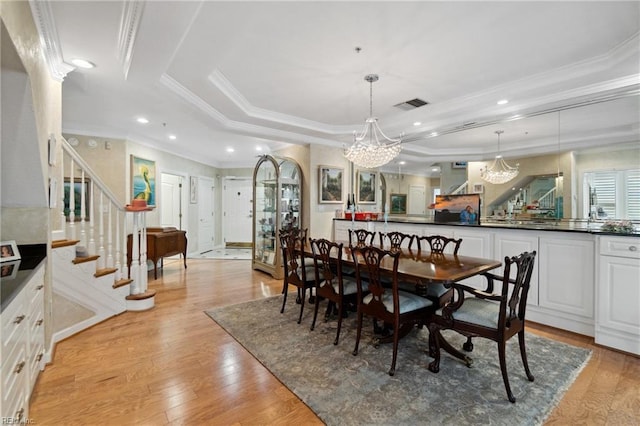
<point>343,389</point>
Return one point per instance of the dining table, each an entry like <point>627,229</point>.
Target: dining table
<point>424,268</point>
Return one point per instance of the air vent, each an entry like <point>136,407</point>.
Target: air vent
<point>412,104</point>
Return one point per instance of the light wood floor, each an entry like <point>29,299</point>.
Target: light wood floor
<point>174,365</point>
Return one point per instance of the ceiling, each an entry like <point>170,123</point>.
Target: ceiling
<point>248,75</point>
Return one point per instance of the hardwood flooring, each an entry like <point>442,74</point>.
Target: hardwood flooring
<point>173,365</point>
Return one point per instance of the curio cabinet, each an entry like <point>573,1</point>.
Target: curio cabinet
<point>277,201</point>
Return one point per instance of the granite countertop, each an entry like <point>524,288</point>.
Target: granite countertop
<point>32,255</point>
<point>565,225</point>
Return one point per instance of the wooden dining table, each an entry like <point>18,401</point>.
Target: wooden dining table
<point>425,268</point>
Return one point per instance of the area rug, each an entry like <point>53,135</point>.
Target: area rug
<point>343,389</point>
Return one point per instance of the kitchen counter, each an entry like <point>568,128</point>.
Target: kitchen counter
<point>565,225</point>
<point>32,255</point>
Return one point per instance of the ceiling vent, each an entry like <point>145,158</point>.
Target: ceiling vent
<point>412,104</point>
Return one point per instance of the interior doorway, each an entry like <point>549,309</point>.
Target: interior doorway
<point>171,213</point>
<point>238,211</point>
<point>206,214</point>
<point>417,200</point>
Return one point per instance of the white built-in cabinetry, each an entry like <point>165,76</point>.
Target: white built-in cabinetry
<point>22,323</point>
<point>618,295</point>
<point>575,286</point>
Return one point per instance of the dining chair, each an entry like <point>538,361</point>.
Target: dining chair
<point>297,271</point>
<point>437,244</point>
<point>330,283</point>
<point>396,240</point>
<point>494,316</point>
<point>361,237</point>
<point>390,305</point>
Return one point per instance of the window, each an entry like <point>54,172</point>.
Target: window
<point>612,194</point>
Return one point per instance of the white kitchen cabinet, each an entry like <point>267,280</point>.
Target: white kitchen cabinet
<point>510,242</point>
<point>618,295</point>
<point>22,322</point>
<point>566,276</point>
<point>475,243</point>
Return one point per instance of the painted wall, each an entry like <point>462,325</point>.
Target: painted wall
<point>31,224</point>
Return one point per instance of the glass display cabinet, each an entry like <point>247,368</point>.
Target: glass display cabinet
<point>277,201</point>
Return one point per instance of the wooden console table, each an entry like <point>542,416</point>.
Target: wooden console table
<point>161,242</point>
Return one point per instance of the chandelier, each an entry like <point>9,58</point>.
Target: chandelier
<point>368,149</point>
<point>500,171</point>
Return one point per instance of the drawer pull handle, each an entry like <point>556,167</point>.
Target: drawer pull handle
<point>39,357</point>
<point>39,322</point>
<point>19,319</point>
<point>633,248</point>
<point>40,287</point>
<point>19,415</point>
<point>19,367</point>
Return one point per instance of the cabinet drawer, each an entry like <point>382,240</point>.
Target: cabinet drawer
<point>620,246</point>
<point>14,408</point>
<point>14,320</point>
<point>14,372</point>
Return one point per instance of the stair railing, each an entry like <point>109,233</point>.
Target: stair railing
<point>102,205</point>
<point>462,189</point>
<point>548,200</point>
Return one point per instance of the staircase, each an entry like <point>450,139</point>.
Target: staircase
<point>89,254</point>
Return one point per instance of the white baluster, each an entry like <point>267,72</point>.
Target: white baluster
<point>135,256</point>
<point>118,265</point>
<point>125,245</point>
<point>92,242</point>
<point>63,217</point>
<point>143,252</point>
<point>110,241</point>
<point>72,203</point>
<point>101,253</point>
<point>83,234</point>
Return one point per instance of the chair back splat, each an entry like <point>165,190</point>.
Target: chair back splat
<point>396,240</point>
<point>483,313</point>
<point>437,243</point>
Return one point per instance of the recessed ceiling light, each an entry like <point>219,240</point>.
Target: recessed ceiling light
<point>417,123</point>
<point>83,63</point>
<point>503,101</point>
<point>142,120</point>
<point>172,137</point>
<point>258,148</point>
<point>434,133</point>
<point>515,117</point>
<point>230,150</point>
<point>402,163</point>
<point>435,169</point>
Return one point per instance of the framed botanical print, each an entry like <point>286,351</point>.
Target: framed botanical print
<point>143,180</point>
<point>330,185</point>
<point>398,203</point>
<point>193,187</point>
<point>367,187</point>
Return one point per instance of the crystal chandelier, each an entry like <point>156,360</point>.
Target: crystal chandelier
<point>500,171</point>
<point>368,150</point>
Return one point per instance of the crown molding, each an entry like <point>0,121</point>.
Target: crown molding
<point>45,24</point>
<point>129,25</point>
<point>224,85</point>
<point>237,126</point>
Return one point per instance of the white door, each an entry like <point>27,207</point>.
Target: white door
<point>238,210</point>
<point>417,200</point>
<point>171,205</point>
<point>205,214</point>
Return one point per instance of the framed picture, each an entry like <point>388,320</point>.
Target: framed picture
<point>9,270</point>
<point>77,198</point>
<point>366,187</point>
<point>398,204</point>
<point>193,187</point>
<point>9,251</point>
<point>478,188</point>
<point>459,165</point>
<point>143,180</point>
<point>330,185</point>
